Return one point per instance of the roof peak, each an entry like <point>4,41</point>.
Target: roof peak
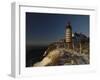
<point>68,24</point>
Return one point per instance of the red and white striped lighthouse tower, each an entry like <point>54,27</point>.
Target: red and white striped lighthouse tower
<point>68,35</point>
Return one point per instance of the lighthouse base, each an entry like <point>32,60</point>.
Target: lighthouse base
<point>69,45</point>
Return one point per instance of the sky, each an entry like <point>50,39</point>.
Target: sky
<point>45,28</point>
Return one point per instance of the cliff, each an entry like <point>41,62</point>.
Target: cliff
<point>58,53</point>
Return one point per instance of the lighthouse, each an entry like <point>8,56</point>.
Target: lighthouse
<point>68,36</point>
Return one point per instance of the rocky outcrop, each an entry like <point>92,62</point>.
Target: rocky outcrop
<point>58,54</point>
